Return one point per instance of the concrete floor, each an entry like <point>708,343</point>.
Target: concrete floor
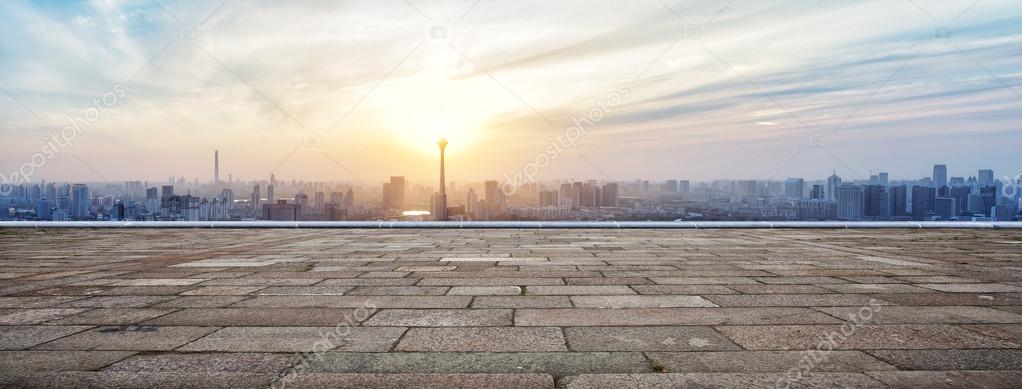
<point>510,308</point>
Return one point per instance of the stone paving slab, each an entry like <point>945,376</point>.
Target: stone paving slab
<point>425,381</point>
<point>668,316</point>
<point>379,308</point>
<point>297,339</point>
<point>764,361</point>
<point>25,361</point>
<point>497,339</point>
<point>257,317</point>
<point>557,364</point>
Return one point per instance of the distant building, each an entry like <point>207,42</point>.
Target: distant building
<point>833,182</point>
<point>548,198</point>
<point>610,195</point>
<point>940,176</point>
<point>394,193</point>
<point>816,193</point>
<point>282,211</point>
<point>986,177</point>
<point>898,196</point>
<point>945,207</point>
<point>334,212</point>
<point>849,202</point>
<point>80,201</point>
<point>922,201</point>
<point>793,188</point>
<point>876,202</point>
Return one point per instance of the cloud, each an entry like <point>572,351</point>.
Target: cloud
<point>761,78</point>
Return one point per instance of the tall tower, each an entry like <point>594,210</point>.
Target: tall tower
<point>216,166</point>
<point>440,200</point>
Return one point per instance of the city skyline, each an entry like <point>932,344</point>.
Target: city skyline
<point>895,87</point>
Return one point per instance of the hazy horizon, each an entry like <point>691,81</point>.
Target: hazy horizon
<point>359,91</point>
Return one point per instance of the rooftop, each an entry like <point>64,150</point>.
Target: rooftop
<point>510,308</point>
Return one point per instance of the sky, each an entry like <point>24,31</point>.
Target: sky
<point>361,90</point>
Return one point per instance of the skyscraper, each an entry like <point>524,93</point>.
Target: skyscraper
<point>922,201</point>
<point>883,178</point>
<point>945,207</point>
<point>216,167</point>
<point>394,193</point>
<point>610,194</point>
<point>256,200</point>
<point>899,200</point>
<point>939,176</point>
<point>876,203</point>
<point>833,182</point>
<point>491,191</point>
<point>986,177</point>
<point>793,188</point>
<point>849,202</point>
<point>440,202</point>
<point>80,201</point>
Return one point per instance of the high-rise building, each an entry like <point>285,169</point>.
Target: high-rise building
<point>302,200</point>
<point>945,207</point>
<point>876,202</point>
<point>961,196</point>
<point>270,197</point>
<point>491,189</point>
<point>471,202</point>
<point>256,200</point>
<point>849,202</point>
<point>939,176</point>
<point>986,177</point>
<point>833,182</point>
<point>440,202</point>
<point>42,209</point>
<point>610,194</point>
<point>548,198</point>
<point>319,202</point>
<point>671,186</point>
<point>922,201</point>
<point>793,188</point>
<point>816,193</point>
<point>282,211</point>
<point>349,199</point>
<point>216,167</point>
<point>899,200</point>
<point>883,179</point>
<point>683,186</point>
<point>989,195</point>
<point>80,201</point>
<point>394,193</point>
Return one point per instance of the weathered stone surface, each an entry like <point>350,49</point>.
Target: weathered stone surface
<point>298,339</point>
<point>894,336</point>
<point>764,361</point>
<point>202,362</point>
<point>22,337</point>
<point>24,361</point>
<point>710,308</point>
<point>720,380</point>
<point>440,318</point>
<point>555,363</point>
<point>224,317</point>
<point>431,381</point>
<point>938,360</point>
<point>133,337</point>
<point>668,316</point>
<point>484,339</point>
<point>684,338</point>
<point>949,379</point>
